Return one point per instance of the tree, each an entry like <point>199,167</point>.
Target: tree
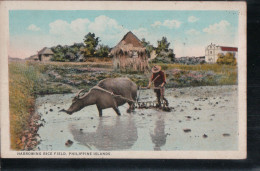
<point>227,59</point>
<point>102,51</point>
<point>164,53</point>
<point>58,53</point>
<point>149,48</point>
<point>220,59</point>
<point>163,45</point>
<point>91,42</point>
<point>144,43</point>
<point>77,45</point>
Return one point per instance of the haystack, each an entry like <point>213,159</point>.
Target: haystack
<point>130,54</point>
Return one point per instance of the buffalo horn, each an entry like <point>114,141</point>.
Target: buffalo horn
<point>79,93</point>
<point>63,110</point>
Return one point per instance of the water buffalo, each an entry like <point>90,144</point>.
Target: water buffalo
<point>103,99</point>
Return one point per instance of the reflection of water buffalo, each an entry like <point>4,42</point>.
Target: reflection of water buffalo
<point>103,99</point>
<point>121,135</point>
<point>159,137</point>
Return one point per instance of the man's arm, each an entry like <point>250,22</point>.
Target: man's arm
<point>150,81</point>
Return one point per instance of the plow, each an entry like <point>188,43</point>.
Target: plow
<point>151,104</point>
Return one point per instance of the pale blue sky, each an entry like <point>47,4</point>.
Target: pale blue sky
<point>189,32</point>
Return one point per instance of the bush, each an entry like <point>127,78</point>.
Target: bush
<point>227,59</point>
<point>102,51</point>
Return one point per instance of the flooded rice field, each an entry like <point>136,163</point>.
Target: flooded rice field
<point>203,118</point>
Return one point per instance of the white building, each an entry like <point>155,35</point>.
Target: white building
<point>212,51</point>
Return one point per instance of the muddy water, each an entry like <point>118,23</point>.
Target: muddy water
<point>203,118</point>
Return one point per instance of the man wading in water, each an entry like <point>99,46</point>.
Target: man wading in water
<point>159,80</point>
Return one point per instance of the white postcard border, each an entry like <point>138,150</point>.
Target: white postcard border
<point>123,5</point>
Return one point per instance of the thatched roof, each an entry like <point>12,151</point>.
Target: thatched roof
<point>45,51</point>
<point>33,57</point>
<point>128,43</point>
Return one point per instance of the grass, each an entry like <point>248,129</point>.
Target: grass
<point>200,67</point>
<point>23,81</point>
<point>99,60</point>
<point>227,73</point>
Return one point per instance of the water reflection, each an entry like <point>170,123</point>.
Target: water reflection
<point>158,136</point>
<point>119,136</point>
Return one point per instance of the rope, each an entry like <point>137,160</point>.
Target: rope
<point>112,94</point>
<point>155,78</point>
<point>145,88</point>
<point>139,104</point>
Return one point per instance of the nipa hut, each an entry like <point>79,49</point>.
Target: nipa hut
<point>33,58</point>
<point>45,54</point>
<point>130,54</point>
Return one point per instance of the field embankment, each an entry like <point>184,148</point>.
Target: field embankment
<point>23,83</point>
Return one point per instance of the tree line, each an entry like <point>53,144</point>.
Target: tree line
<point>81,51</point>
<point>91,48</point>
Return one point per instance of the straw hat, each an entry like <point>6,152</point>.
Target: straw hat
<point>156,68</point>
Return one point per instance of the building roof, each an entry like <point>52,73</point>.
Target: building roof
<point>33,57</point>
<point>130,38</point>
<point>129,42</point>
<point>45,51</point>
<point>224,48</point>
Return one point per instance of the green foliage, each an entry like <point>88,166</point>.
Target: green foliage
<point>148,46</point>
<point>91,42</point>
<point>227,59</point>
<point>75,48</point>
<point>73,52</point>
<point>76,51</point>
<point>58,53</point>
<point>164,54</point>
<point>144,43</point>
<point>102,51</point>
<point>163,45</point>
<point>66,53</point>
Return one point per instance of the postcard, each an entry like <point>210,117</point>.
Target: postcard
<point>125,80</point>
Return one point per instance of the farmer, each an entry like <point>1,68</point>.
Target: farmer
<point>159,80</point>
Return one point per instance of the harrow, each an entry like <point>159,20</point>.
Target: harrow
<point>151,104</point>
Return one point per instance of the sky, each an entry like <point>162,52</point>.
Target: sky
<point>189,32</point>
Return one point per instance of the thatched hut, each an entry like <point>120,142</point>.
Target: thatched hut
<point>33,58</point>
<point>45,54</point>
<point>130,54</point>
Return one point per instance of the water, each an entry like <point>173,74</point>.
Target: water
<point>145,129</point>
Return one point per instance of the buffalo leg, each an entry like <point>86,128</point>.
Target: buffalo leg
<point>117,111</point>
<point>131,107</point>
<point>99,111</point>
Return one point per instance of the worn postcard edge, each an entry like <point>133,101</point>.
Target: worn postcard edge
<point>5,6</point>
